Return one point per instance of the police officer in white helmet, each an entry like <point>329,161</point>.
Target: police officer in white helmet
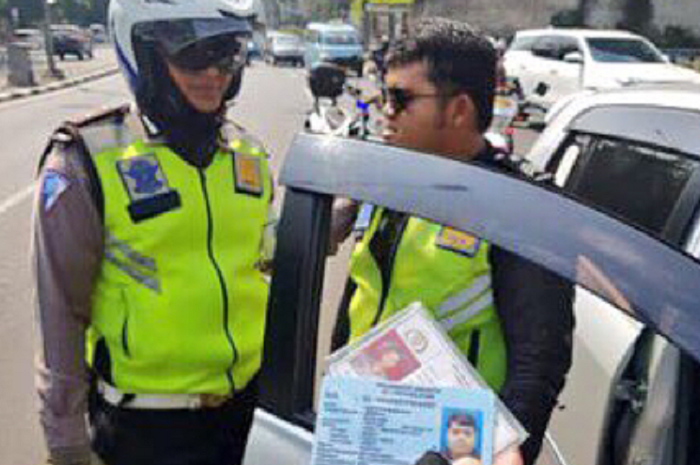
<point>151,231</point>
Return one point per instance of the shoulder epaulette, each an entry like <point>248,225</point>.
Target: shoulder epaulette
<point>105,114</point>
<point>236,131</point>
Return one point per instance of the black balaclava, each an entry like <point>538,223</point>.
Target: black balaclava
<point>190,133</point>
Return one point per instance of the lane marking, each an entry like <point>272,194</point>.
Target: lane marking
<point>17,198</point>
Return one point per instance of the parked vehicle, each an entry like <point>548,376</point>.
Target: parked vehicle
<point>284,48</point>
<point>334,43</point>
<point>631,153</point>
<point>625,227</point>
<point>71,40</point>
<point>32,38</point>
<point>253,51</point>
<point>553,63</point>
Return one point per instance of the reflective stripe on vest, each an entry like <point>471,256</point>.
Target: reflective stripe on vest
<point>455,287</point>
<point>179,301</point>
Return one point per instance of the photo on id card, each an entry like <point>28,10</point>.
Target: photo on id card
<point>369,421</point>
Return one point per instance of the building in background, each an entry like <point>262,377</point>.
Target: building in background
<point>381,18</point>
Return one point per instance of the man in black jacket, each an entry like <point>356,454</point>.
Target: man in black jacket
<point>512,319</point>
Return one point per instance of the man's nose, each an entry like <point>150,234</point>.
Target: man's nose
<point>213,71</point>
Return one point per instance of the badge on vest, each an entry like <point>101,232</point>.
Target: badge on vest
<point>147,187</point>
<point>457,241</point>
<point>247,174</point>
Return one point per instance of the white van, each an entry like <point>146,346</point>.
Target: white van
<point>334,43</point>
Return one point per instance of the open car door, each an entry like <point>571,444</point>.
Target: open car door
<point>614,261</point>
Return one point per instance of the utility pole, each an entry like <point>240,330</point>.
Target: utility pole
<point>48,40</point>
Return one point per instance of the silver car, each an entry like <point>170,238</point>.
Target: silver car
<point>284,48</point>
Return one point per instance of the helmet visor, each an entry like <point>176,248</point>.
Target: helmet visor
<point>174,36</point>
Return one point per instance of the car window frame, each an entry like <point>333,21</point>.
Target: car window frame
<point>624,123</point>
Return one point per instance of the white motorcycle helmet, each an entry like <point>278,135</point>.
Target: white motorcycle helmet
<point>144,31</point>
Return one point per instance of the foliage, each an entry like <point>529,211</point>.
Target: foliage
<point>81,12</point>
<point>322,10</point>
<point>568,18</point>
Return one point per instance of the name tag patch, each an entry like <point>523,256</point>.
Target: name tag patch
<point>457,241</point>
<point>247,174</point>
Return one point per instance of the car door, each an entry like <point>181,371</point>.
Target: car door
<point>564,76</point>
<point>626,167</point>
<point>536,72</point>
<point>490,204</point>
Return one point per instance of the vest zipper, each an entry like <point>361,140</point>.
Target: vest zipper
<point>125,325</point>
<point>473,353</point>
<point>392,256</point>
<point>219,274</point>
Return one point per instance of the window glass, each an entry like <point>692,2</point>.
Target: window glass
<point>623,51</point>
<point>287,40</point>
<point>566,45</point>
<point>522,43</point>
<point>546,47</point>
<point>339,38</point>
<point>640,183</point>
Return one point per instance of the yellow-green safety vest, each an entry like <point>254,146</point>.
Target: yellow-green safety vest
<point>449,273</point>
<point>179,301</point>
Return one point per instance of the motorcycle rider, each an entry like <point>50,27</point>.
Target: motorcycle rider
<point>149,239</point>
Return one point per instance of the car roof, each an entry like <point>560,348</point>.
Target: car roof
<point>675,95</point>
<point>583,33</point>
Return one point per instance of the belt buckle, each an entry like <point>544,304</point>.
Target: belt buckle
<point>212,400</point>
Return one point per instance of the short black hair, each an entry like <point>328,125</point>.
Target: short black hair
<point>462,419</point>
<point>459,60</point>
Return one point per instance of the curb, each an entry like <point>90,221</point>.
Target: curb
<point>28,92</point>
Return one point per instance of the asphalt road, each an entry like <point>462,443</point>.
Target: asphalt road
<point>272,105</point>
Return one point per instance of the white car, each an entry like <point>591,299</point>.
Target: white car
<point>632,153</point>
<point>553,63</point>
<point>629,237</point>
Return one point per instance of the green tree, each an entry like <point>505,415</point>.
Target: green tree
<point>31,12</point>
<point>73,11</point>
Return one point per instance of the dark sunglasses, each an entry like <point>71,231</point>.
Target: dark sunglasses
<point>398,99</point>
<point>227,60</point>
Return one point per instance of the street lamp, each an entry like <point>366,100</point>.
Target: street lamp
<point>48,40</point>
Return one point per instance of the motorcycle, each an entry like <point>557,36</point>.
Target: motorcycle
<point>328,83</point>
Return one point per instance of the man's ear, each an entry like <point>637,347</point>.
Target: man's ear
<point>463,112</point>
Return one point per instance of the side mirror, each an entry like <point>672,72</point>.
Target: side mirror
<point>326,80</point>
<point>574,57</point>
